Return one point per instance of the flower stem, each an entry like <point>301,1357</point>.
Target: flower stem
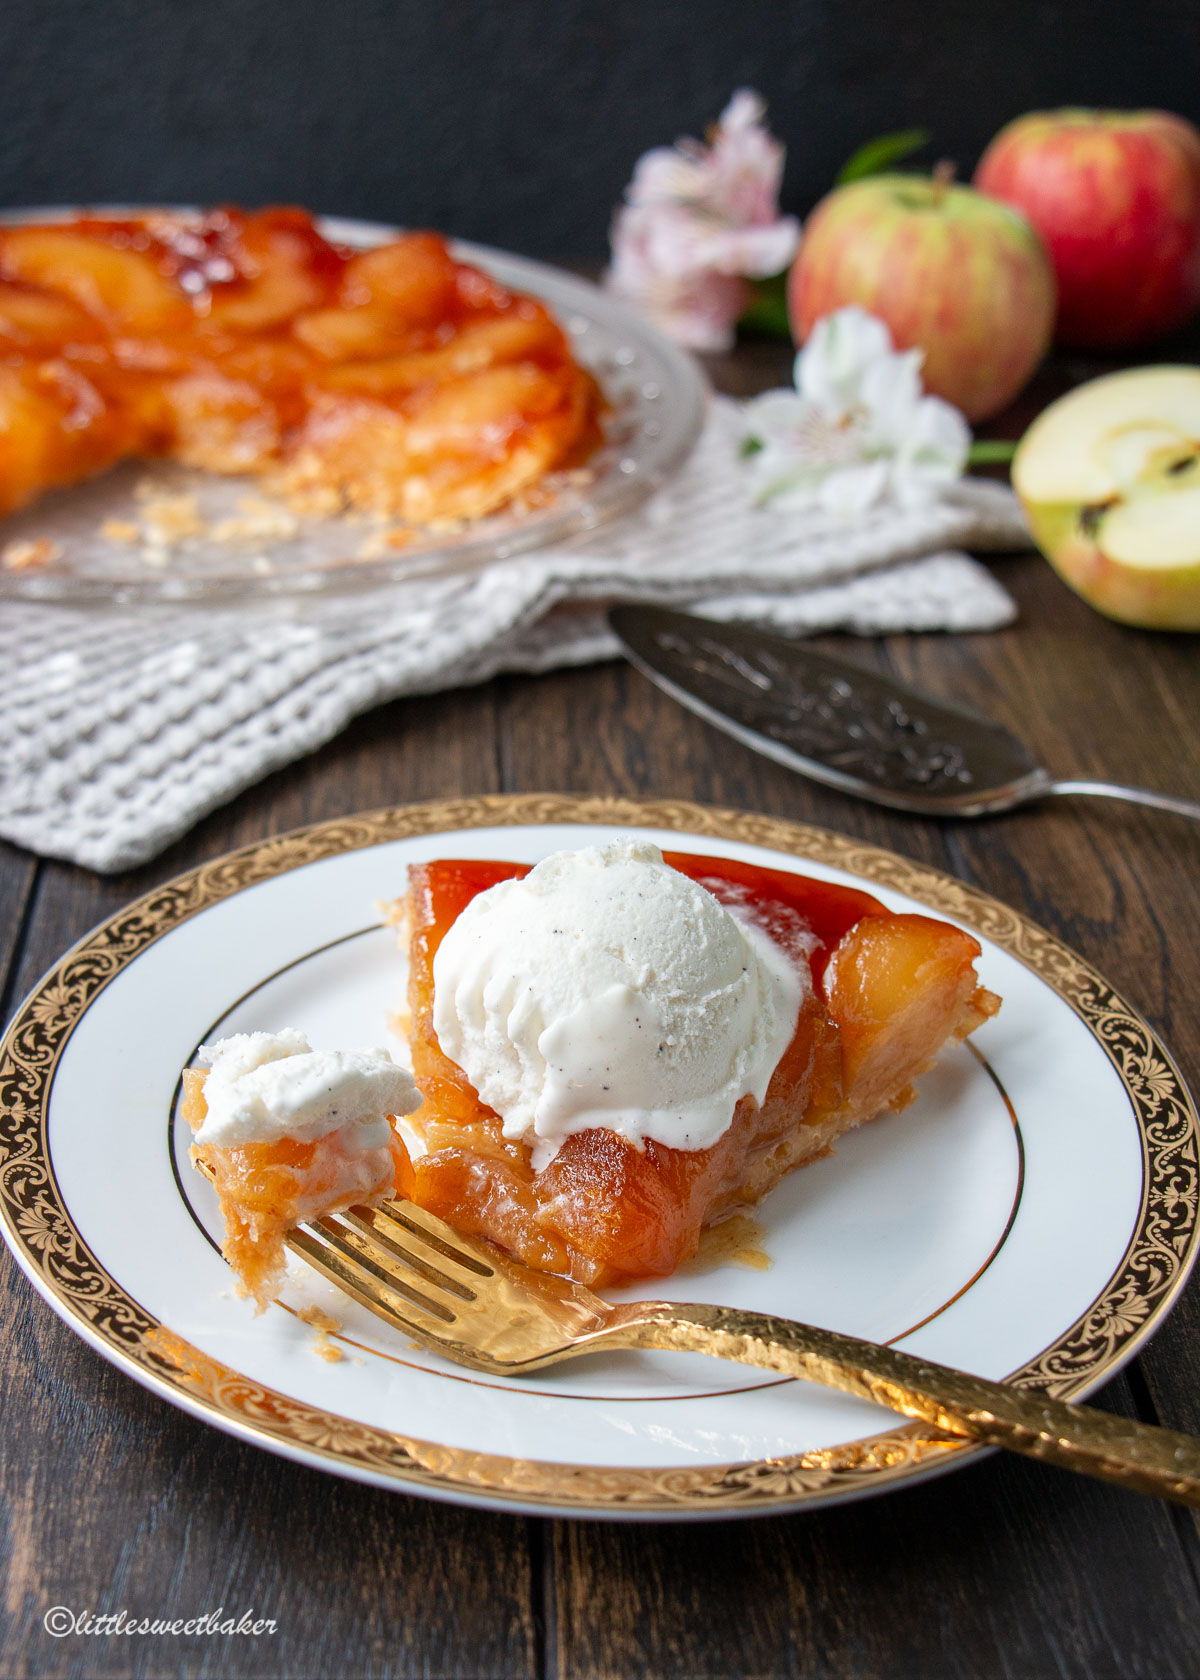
<point>991,452</point>
<point>767,312</point>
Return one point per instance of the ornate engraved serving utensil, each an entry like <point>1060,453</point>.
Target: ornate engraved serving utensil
<point>853,729</point>
<point>479,1307</point>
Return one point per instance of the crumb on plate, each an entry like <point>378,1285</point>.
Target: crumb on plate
<point>326,1326</point>
<point>29,554</point>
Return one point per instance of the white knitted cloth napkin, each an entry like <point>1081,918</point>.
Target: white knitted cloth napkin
<point>120,728</point>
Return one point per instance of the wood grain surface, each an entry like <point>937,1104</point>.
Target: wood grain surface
<point>115,1499</point>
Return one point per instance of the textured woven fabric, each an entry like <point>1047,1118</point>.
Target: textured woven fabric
<point>120,728</point>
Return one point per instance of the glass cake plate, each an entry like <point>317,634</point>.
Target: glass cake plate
<point>223,536</point>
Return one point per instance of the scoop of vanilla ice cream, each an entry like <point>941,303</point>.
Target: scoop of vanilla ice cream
<point>607,989</point>
<point>265,1086</point>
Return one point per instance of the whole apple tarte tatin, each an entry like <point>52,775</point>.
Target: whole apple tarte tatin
<point>599,1197</point>
<point>395,380</point>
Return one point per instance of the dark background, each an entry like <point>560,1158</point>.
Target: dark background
<point>516,122</point>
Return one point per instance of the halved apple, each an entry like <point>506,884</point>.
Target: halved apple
<point>1109,477</point>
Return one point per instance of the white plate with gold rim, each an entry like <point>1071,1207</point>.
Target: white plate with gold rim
<point>1032,1216</point>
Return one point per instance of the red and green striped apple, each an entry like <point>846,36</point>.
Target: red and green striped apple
<point>962,276</point>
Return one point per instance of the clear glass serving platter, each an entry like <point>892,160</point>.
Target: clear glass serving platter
<point>155,531</point>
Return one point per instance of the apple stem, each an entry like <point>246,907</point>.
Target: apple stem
<point>943,175</point>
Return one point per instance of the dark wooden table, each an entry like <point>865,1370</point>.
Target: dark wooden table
<point>115,1499</point>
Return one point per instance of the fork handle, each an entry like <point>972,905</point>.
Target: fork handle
<point>1116,1449</point>
<point>1135,796</point>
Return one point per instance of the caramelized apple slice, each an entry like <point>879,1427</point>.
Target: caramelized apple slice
<point>121,287</point>
<point>479,345</point>
<point>412,280</point>
<point>55,427</point>
<point>284,266</point>
<point>389,301</point>
<point>29,427</point>
<point>230,413</point>
<point>350,335</point>
<point>892,984</point>
<point>33,320</point>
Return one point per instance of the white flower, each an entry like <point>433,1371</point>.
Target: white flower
<point>697,222</point>
<point>857,430</point>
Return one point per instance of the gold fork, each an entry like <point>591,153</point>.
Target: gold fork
<point>479,1307</point>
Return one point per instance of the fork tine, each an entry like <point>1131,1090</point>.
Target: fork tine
<point>372,1285</point>
<point>446,1292</point>
<point>434,1233</point>
<point>372,1236</point>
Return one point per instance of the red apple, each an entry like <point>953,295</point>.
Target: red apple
<point>1116,197</point>
<point>957,274</point>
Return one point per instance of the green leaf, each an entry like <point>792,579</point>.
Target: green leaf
<point>767,313</point>
<point>991,452</point>
<point>881,154</point>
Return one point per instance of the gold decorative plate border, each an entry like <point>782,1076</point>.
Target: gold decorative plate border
<point>42,1235</point>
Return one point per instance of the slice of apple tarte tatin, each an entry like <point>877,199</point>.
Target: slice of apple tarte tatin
<point>287,1134</point>
<point>617,1048</point>
<point>612,1050</point>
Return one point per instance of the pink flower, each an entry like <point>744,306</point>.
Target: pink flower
<point>657,266</point>
<point>697,222</point>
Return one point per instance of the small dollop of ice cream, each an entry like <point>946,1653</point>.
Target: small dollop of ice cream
<point>607,989</point>
<point>265,1086</point>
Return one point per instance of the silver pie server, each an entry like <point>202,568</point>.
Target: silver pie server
<point>853,729</point>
